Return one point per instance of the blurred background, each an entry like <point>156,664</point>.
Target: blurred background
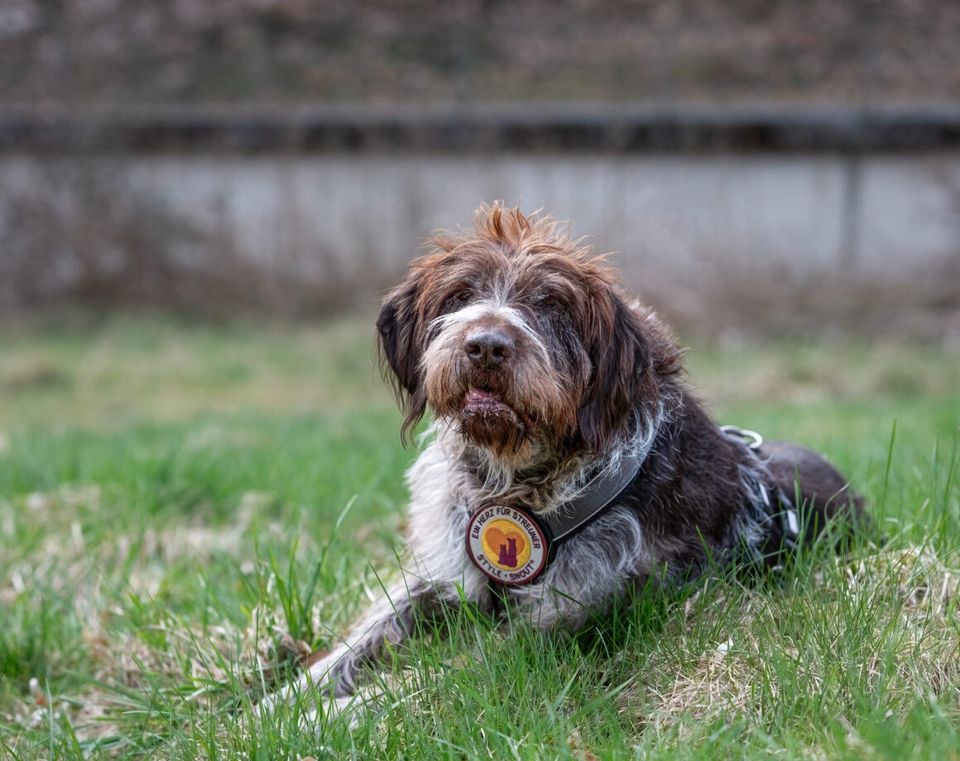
<point>759,167</point>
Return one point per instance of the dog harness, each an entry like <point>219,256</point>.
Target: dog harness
<point>513,547</point>
<point>775,512</point>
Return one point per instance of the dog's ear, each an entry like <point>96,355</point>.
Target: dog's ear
<point>624,375</point>
<point>400,348</point>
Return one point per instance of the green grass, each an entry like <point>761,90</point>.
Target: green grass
<point>175,499</point>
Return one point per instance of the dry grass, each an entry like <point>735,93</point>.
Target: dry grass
<point>737,676</point>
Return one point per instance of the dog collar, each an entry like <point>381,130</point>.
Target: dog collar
<point>512,546</point>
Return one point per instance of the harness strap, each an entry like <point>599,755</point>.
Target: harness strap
<point>779,514</point>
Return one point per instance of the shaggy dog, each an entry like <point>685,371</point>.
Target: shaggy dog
<point>568,463</point>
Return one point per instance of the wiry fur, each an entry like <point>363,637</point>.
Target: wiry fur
<point>584,378</point>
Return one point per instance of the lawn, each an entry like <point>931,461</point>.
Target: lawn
<point>185,507</point>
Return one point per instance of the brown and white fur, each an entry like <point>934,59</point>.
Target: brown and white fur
<point>541,375</point>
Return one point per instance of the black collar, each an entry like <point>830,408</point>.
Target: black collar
<point>526,541</point>
<point>571,516</point>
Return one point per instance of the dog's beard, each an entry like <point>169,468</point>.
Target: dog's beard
<point>488,413</point>
<point>505,425</point>
<point>489,421</point>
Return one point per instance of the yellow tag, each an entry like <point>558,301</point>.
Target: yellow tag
<point>506,544</point>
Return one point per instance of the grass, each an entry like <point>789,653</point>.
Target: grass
<point>183,507</point>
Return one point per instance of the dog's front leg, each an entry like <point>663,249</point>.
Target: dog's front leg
<point>439,575</point>
<point>387,623</point>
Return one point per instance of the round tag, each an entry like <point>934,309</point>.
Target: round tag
<point>506,544</point>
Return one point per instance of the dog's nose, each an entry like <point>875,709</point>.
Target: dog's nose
<point>488,348</point>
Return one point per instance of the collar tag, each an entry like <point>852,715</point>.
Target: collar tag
<point>507,544</point>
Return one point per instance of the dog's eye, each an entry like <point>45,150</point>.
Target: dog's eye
<point>549,302</point>
<point>458,298</point>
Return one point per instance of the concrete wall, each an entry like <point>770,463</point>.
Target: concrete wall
<point>879,213</point>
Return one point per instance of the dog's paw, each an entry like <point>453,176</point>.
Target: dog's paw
<point>317,712</point>
<point>347,709</point>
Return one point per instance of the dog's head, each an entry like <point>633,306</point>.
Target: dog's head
<point>520,339</point>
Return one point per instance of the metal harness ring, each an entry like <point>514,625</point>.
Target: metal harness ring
<point>753,439</point>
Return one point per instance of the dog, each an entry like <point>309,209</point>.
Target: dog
<point>568,464</point>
